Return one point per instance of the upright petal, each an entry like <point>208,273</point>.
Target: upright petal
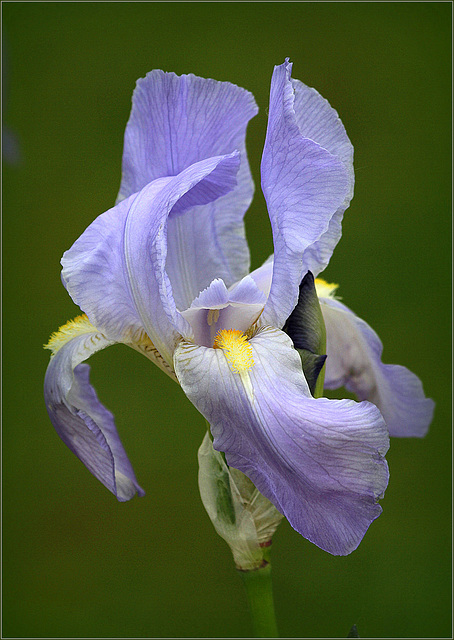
<point>304,186</point>
<point>116,270</point>
<point>317,120</point>
<point>319,461</point>
<point>175,122</point>
<point>354,362</point>
<point>80,420</point>
<point>146,244</point>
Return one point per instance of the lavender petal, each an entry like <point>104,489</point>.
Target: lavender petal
<point>319,461</point>
<point>82,422</point>
<point>304,186</point>
<point>354,361</point>
<point>177,121</point>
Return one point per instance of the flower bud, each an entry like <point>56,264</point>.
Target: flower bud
<point>240,514</point>
<point>306,328</point>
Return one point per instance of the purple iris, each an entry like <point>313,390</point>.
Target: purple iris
<point>165,271</point>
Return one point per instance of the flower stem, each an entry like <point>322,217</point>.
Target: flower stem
<point>260,597</point>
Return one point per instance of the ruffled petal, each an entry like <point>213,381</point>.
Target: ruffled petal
<point>304,186</point>
<point>319,461</point>
<point>354,362</point>
<point>317,120</point>
<point>175,122</point>
<point>80,420</point>
<point>116,270</point>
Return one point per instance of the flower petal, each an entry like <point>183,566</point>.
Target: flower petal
<point>263,275</point>
<point>95,274</point>
<point>175,122</point>
<point>236,308</point>
<point>146,247</point>
<point>319,461</point>
<point>354,361</point>
<point>317,120</point>
<point>116,270</point>
<point>80,420</point>
<point>304,186</point>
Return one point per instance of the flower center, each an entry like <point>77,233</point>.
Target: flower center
<point>236,348</point>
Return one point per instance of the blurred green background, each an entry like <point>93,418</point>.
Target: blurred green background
<point>77,563</point>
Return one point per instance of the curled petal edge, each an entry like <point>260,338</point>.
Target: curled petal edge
<point>81,421</point>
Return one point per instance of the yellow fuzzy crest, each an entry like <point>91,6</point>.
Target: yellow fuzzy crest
<point>236,348</point>
<point>325,289</point>
<point>72,328</point>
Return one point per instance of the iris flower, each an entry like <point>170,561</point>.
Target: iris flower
<point>165,271</point>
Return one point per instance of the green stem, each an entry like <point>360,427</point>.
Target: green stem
<point>260,597</point>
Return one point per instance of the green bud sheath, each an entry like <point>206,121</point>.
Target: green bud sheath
<point>306,328</point>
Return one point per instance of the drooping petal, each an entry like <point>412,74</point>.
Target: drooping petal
<point>304,186</point>
<point>175,122</point>
<point>317,120</point>
<point>354,362</point>
<point>116,270</point>
<point>80,420</point>
<point>319,461</point>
